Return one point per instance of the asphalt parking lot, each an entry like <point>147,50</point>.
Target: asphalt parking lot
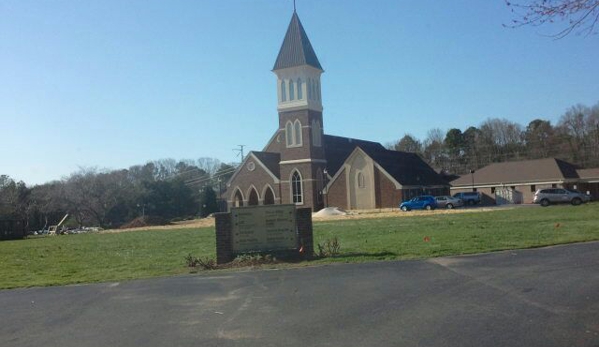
<point>541,297</point>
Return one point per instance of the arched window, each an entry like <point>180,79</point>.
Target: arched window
<point>309,88</point>
<point>297,133</point>
<point>316,133</point>
<point>360,179</point>
<point>269,196</point>
<point>291,90</point>
<point>253,197</point>
<point>283,91</point>
<point>300,92</point>
<point>289,134</point>
<point>237,198</point>
<point>297,195</point>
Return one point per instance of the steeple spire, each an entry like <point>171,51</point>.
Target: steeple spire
<point>296,49</point>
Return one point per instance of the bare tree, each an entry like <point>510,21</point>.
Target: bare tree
<point>578,15</point>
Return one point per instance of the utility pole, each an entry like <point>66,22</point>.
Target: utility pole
<point>240,151</point>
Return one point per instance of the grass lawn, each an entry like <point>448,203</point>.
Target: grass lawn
<point>85,258</point>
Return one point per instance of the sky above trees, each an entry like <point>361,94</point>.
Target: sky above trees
<point>112,84</point>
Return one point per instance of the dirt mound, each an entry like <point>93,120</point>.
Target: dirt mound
<point>145,221</point>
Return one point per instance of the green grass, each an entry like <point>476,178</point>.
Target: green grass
<point>84,258</point>
<point>44,261</point>
<point>464,233</point>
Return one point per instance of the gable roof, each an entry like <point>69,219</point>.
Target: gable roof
<point>270,160</point>
<point>338,148</point>
<point>406,168</point>
<point>296,49</point>
<point>538,170</point>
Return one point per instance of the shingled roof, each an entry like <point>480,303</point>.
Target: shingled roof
<point>338,148</point>
<point>270,160</point>
<point>407,168</point>
<point>296,49</point>
<point>537,170</point>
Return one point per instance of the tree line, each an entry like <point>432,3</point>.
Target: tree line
<point>575,138</point>
<point>164,188</point>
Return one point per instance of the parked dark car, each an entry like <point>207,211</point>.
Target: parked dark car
<point>423,202</point>
<point>546,197</point>
<point>468,198</point>
<point>446,201</point>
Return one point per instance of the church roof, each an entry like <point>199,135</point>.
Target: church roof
<point>408,169</point>
<point>270,160</point>
<point>296,49</point>
<point>338,148</point>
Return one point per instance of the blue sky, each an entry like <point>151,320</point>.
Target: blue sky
<point>111,84</point>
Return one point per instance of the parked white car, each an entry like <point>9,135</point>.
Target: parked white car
<point>446,201</point>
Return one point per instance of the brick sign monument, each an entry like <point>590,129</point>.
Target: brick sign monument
<point>259,229</point>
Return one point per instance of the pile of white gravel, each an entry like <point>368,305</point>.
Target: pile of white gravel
<point>330,211</point>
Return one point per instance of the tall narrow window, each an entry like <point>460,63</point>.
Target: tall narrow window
<point>300,92</point>
<point>361,183</point>
<point>309,88</point>
<point>289,134</point>
<point>314,90</point>
<point>291,90</point>
<point>297,133</point>
<point>283,91</point>
<point>297,195</point>
<point>316,133</point>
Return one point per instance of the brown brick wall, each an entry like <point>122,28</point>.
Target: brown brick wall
<point>224,246</point>
<point>310,187</point>
<point>306,150</point>
<point>303,218</point>
<point>259,178</point>
<point>337,195</point>
<point>386,193</point>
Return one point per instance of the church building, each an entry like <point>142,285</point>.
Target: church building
<point>303,166</point>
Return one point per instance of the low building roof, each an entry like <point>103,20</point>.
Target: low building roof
<point>538,170</point>
<point>592,174</point>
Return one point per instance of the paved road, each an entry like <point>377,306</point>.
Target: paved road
<point>544,297</point>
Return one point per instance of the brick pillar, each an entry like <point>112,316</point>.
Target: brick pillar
<point>304,227</point>
<point>224,247</point>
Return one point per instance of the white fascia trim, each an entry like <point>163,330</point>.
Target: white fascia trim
<point>424,186</point>
<point>300,161</point>
<point>272,139</point>
<point>274,178</point>
<point>504,184</point>
<point>242,165</point>
<point>391,178</point>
